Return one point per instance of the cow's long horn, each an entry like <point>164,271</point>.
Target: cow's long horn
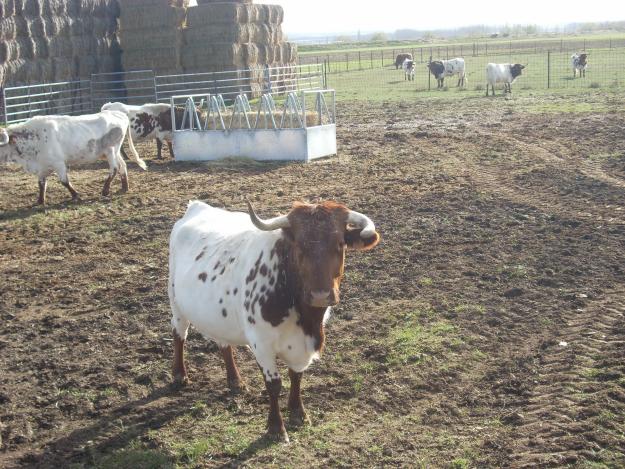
<point>361,221</point>
<point>267,225</point>
<point>4,137</point>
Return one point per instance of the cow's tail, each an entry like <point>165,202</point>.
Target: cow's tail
<point>134,156</point>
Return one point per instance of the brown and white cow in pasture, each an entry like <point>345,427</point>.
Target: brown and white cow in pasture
<point>399,60</point>
<point>150,121</point>
<point>267,284</point>
<point>49,144</point>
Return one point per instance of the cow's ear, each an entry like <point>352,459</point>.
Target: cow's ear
<point>354,241</point>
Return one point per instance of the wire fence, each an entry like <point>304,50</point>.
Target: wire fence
<point>544,70</point>
<point>387,55</point>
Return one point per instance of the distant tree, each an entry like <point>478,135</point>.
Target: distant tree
<point>379,37</point>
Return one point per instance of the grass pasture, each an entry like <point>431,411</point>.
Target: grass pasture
<point>486,330</point>
<point>606,70</point>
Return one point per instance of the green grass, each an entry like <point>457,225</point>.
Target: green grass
<point>370,81</point>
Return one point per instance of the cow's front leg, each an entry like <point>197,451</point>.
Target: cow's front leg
<point>43,183</point>
<point>297,413</point>
<point>273,383</point>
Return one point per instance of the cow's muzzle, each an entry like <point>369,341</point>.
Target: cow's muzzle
<point>323,299</point>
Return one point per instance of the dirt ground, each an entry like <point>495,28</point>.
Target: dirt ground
<point>486,330</point>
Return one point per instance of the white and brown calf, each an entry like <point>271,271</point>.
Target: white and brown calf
<point>150,121</point>
<point>265,284</point>
<point>409,69</point>
<point>49,144</point>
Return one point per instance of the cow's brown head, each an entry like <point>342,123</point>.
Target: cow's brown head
<point>318,236</point>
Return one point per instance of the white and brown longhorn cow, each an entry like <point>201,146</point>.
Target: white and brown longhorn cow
<point>48,144</point>
<point>268,284</point>
<point>150,121</point>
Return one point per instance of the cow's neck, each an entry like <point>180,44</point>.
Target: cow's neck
<point>287,294</point>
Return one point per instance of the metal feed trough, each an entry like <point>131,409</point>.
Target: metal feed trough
<point>210,130</point>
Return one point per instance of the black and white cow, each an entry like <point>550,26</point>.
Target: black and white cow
<point>579,62</point>
<point>409,69</point>
<point>446,68</point>
<point>268,284</point>
<point>502,73</point>
<point>399,60</point>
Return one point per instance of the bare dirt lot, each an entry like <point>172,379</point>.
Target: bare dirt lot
<point>486,330</point>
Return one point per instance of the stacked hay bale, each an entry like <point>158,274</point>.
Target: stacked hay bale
<point>236,34</point>
<point>57,40</point>
<point>151,34</point>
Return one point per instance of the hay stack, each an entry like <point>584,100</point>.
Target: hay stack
<point>56,40</point>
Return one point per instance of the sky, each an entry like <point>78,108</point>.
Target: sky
<point>349,16</point>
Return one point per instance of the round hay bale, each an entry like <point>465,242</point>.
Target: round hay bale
<point>52,8</point>
<point>36,27</point>
<point>58,26</point>
<point>12,27</point>
<point>14,49</point>
<point>60,46</point>
<point>62,69</point>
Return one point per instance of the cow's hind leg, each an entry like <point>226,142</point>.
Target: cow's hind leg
<point>297,414</point>
<point>180,328</point>
<point>171,149</point>
<point>111,156</point>
<point>123,173</point>
<point>235,383</point>
<point>64,178</point>
<point>43,183</point>
<point>159,149</point>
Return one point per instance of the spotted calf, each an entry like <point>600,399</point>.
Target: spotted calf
<point>268,284</point>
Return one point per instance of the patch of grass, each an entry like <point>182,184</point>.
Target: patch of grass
<point>414,343</point>
<point>135,459</point>
<point>517,271</point>
<point>459,463</point>
<point>426,281</point>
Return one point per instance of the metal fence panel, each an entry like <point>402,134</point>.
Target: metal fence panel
<point>23,102</point>
<point>134,87</point>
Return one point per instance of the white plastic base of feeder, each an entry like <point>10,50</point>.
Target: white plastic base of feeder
<point>258,144</point>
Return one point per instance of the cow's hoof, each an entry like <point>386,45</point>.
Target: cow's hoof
<point>181,381</point>
<point>298,418</point>
<point>279,437</point>
<point>237,387</point>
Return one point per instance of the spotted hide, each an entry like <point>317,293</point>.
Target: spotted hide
<point>579,62</point>
<point>269,284</point>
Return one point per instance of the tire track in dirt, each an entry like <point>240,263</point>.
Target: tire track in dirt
<point>576,407</point>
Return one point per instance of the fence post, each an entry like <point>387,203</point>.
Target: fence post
<point>328,60</point>
<point>486,53</point>
<point>4,106</point>
<point>359,64</point>
<point>372,59</point>
<point>429,76</point>
<point>548,69</point>
<point>460,50</point>
<point>561,44</point>
<point>347,61</point>
<point>382,58</point>
<point>421,50</point>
